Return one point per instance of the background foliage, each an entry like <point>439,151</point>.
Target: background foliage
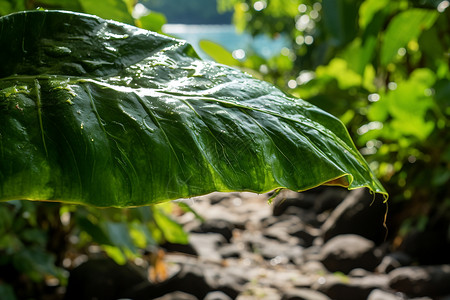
<point>383,67</point>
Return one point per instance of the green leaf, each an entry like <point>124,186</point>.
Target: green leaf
<point>96,232</point>
<point>119,235</point>
<point>6,219</point>
<point>407,106</point>
<point>102,113</point>
<point>171,230</point>
<point>7,292</point>
<point>9,6</point>
<point>369,9</point>
<point>153,21</point>
<point>340,18</point>
<point>72,5</point>
<point>35,262</point>
<point>218,53</point>
<point>404,27</point>
<point>117,10</point>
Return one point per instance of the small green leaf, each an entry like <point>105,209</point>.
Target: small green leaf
<point>153,21</point>
<point>369,9</point>
<point>7,292</point>
<point>340,20</point>
<point>114,9</point>
<point>119,235</point>
<point>218,53</point>
<point>404,27</point>
<point>407,107</point>
<point>171,230</point>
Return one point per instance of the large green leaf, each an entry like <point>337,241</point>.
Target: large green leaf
<point>103,113</point>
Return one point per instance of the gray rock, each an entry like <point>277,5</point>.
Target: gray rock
<point>217,295</point>
<point>230,251</point>
<point>421,281</point>
<point>190,280</point>
<point>289,198</point>
<point>222,227</point>
<point>304,233</point>
<point>329,199</point>
<point>308,217</point>
<point>216,197</point>
<point>359,273</point>
<point>303,294</point>
<point>278,233</point>
<point>347,288</point>
<point>207,245</point>
<point>272,249</point>
<point>382,295</point>
<point>359,214</point>
<point>313,267</point>
<point>347,252</point>
<point>227,280</point>
<point>177,296</point>
<point>393,261</point>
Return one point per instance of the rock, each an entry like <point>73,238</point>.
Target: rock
<point>329,199</point>
<point>393,261</point>
<point>346,252</point>
<point>308,217</point>
<point>190,279</point>
<point>304,233</point>
<point>231,251</point>
<point>177,296</point>
<point>359,214</point>
<point>279,233</point>
<point>303,294</point>
<point>312,253</point>
<point>420,281</point>
<point>222,227</point>
<point>227,280</point>
<point>210,276</point>
<point>217,296</point>
<point>255,292</point>
<point>271,249</point>
<point>359,273</point>
<point>346,288</point>
<point>428,247</point>
<point>207,245</point>
<point>187,249</point>
<point>217,197</point>
<point>288,198</point>
<point>382,295</point>
<point>103,279</point>
<point>313,267</point>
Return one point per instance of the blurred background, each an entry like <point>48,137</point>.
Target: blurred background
<point>380,66</point>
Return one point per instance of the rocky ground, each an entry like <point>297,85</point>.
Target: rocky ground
<point>324,244</point>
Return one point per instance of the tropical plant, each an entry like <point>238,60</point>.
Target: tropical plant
<point>125,117</point>
<point>106,114</point>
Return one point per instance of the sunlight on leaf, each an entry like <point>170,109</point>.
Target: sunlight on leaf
<point>113,115</point>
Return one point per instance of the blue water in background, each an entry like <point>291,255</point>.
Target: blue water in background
<point>227,37</point>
